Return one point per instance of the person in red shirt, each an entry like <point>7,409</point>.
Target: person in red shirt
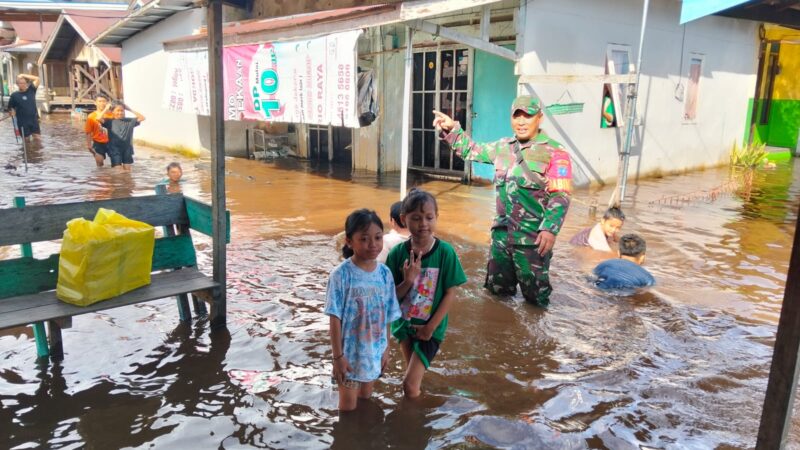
<point>96,135</point>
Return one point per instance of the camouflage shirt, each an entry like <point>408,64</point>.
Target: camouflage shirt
<point>528,199</point>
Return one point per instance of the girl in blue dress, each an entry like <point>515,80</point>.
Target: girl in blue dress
<point>361,303</point>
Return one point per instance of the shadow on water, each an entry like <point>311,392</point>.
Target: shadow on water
<point>683,365</point>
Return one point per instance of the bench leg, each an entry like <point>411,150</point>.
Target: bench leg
<point>40,336</point>
<point>218,311</point>
<point>183,308</point>
<point>200,309</point>
<point>56,345</point>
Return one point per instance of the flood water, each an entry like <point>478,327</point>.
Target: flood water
<point>683,366</point>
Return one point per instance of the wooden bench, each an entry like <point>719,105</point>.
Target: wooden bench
<point>27,284</point>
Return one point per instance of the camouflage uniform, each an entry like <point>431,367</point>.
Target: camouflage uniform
<point>528,201</point>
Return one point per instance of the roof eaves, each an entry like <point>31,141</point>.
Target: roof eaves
<point>141,19</point>
<point>50,40</point>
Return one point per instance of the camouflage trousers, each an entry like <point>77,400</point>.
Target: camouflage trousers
<point>510,265</point>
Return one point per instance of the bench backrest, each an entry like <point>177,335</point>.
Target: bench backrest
<point>38,223</point>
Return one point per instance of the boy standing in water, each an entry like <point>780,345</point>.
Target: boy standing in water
<point>120,134</point>
<point>399,233</point>
<point>96,135</point>
<point>22,106</point>
<point>626,272</point>
<point>599,237</point>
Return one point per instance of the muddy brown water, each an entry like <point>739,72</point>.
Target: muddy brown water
<point>681,366</point>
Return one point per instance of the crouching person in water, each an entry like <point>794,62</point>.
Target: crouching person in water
<point>120,133</point>
<point>427,272</point>
<point>361,303</point>
<point>625,272</point>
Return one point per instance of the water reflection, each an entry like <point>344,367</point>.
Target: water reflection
<point>681,366</point>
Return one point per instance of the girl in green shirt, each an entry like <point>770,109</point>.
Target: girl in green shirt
<point>426,271</point>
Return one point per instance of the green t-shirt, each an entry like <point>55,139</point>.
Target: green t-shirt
<point>441,270</point>
<point>608,107</point>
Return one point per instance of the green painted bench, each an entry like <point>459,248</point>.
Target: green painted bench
<point>27,284</point>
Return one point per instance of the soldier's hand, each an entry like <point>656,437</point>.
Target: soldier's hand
<point>545,241</point>
<point>443,121</point>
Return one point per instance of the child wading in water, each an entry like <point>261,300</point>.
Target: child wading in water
<point>398,233</point>
<point>120,133</point>
<point>426,271</point>
<point>600,236</point>
<point>173,180</point>
<point>361,303</point>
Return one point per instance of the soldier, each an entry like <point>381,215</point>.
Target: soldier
<point>533,180</point>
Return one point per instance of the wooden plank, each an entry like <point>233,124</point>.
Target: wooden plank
<point>39,299</point>
<point>174,252</point>
<point>776,414</point>
<point>36,223</point>
<point>629,78</point>
<point>28,275</point>
<point>457,36</point>
<point>25,309</point>
<point>201,218</point>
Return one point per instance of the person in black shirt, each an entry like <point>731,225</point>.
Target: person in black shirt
<point>22,105</point>
<point>120,133</point>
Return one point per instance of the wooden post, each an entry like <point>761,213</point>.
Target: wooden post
<point>71,74</point>
<point>96,80</point>
<point>43,72</point>
<point>114,84</point>
<point>219,232</point>
<point>39,334</point>
<point>56,343</point>
<point>776,414</point>
<point>404,147</point>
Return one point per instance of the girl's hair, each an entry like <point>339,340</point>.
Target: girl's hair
<point>416,199</point>
<point>115,104</point>
<point>174,165</point>
<point>359,220</point>
<point>394,213</point>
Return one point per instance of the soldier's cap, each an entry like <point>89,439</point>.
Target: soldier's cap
<point>530,105</point>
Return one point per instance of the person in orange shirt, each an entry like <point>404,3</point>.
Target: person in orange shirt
<point>96,135</point>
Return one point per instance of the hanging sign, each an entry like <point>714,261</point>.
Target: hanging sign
<point>308,81</point>
<point>186,85</point>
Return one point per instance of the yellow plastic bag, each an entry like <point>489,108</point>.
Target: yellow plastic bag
<point>103,258</point>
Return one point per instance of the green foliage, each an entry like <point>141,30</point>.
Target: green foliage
<point>748,156</point>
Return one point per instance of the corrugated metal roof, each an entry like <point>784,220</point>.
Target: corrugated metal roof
<point>30,31</point>
<point>22,47</point>
<point>149,14</point>
<point>282,23</point>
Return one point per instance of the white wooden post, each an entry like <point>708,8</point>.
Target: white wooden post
<point>406,114</point>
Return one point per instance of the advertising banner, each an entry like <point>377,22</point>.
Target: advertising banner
<point>310,81</point>
<point>186,85</point>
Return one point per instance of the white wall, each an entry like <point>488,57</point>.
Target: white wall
<point>570,37</point>
<point>144,64</point>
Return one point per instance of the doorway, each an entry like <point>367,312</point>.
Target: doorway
<point>330,143</point>
<point>441,80</point>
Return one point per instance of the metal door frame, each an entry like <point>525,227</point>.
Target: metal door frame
<point>437,104</point>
